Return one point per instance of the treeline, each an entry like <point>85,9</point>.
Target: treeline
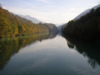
<point>13,25</point>
<point>85,28</point>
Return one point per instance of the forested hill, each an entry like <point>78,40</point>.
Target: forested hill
<point>85,28</point>
<point>13,25</point>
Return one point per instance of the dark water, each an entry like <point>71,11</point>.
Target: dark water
<point>48,55</point>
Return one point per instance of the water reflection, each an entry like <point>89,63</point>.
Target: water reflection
<point>91,50</point>
<point>10,46</point>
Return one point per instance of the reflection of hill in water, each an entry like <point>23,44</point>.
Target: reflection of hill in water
<point>10,46</point>
<point>91,50</point>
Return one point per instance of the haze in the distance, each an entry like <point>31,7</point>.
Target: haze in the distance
<point>50,11</point>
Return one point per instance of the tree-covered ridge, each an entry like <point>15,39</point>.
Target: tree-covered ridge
<point>13,25</point>
<point>85,28</point>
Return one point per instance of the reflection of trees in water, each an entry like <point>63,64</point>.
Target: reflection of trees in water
<point>91,50</point>
<point>10,46</point>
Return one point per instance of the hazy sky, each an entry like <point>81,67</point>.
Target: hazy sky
<point>50,11</point>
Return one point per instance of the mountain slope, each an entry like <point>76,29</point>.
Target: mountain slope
<point>86,27</point>
<point>34,20</point>
<point>85,12</point>
<point>13,25</point>
<point>82,14</point>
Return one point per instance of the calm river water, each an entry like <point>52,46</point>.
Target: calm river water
<point>48,55</point>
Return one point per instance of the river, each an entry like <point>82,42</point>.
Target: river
<point>47,55</point>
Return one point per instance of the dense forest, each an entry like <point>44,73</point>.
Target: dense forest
<point>85,28</point>
<point>13,25</point>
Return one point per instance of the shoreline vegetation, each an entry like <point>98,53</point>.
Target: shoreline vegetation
<point>12,25</point>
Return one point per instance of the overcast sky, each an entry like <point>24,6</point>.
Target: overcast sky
<point>50,11</point>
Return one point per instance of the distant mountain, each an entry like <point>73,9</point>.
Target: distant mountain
<point>85,12</point>
<point>82,14</point>
<point>87,27</point>
<point>52,28</point>
<point>34,20</point>
<point>60,28</point>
